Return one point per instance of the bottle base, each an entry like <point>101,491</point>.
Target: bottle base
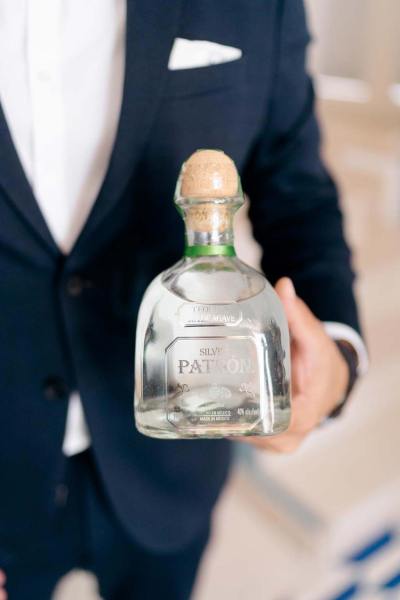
<point>212,433</point>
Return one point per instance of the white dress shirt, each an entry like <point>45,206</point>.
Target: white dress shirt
<point>61,80</point>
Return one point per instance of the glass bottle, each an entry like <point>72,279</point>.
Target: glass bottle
<point>212,341</point>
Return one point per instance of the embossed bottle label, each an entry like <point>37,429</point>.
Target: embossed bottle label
<point>212,380</point>
<point>209,314</point>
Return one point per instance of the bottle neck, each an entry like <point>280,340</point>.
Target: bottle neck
<point>210,234</point>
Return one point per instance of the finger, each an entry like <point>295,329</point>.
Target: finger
<point>302,422</point>
<point>270,442</point>
<point>300,319</point>
<point>2,577</point>
<point>281,444</point>
<point>298,374</point>
<point>3,594</point>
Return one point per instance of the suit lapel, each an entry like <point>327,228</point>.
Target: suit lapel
<point>18,191</point>
<point>151,28</point>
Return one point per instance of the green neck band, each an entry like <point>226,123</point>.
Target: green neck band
<point>208,250</point>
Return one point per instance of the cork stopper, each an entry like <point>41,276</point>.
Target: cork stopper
<point>208,175</point>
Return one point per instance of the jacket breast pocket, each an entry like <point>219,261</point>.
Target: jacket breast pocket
<point>205,80</point>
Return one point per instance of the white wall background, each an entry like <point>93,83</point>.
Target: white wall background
<point>357,52</point>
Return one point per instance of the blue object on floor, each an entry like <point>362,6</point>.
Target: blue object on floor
<point>347,593</point>
<point>392,582</point>
<point>357,566</point>
<point>372,546</point>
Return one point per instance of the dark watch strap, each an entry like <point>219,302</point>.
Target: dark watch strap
<point>351,358</point>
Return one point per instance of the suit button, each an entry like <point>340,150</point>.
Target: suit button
<point>75,285</point>
<point>55,388</point>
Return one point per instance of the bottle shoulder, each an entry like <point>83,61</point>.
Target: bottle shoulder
<point>191,294</point>
<point>216,279</point>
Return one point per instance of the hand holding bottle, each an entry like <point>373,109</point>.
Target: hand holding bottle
<point>319,373</point>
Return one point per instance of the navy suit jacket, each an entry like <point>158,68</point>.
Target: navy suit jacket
<point>68,322</point>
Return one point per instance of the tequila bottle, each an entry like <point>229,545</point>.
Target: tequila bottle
<point>212,342</point>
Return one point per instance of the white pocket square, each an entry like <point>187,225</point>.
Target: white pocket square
<point>188,54</point>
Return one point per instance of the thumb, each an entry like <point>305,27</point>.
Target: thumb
<point>302,323</point>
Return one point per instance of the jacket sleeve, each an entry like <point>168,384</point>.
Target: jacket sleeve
<point>294,207</point>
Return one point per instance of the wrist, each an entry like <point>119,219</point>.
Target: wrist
<point>348,377</point>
